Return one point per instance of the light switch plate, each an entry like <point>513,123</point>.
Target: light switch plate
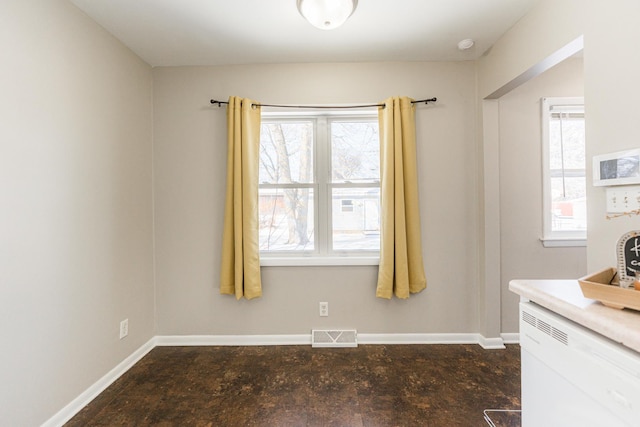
<point>623,199</point>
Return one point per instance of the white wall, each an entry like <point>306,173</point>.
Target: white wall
<point>189,162</point>
<point>522,253</point>
<point>76,210</point>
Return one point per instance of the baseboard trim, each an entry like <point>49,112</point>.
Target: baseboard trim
<point>232,340</point>
<point>490,343</point>
<point>418,339</point>
<point>303,339</point>
<point>511,338</point>
<point>486,343</point>
<point>66,413</point>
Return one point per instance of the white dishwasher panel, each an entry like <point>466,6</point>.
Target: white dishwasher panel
<point>572,376</point>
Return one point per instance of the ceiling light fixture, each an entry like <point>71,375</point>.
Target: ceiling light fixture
<point>326,14</point>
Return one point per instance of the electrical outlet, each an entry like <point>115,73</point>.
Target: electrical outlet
<point>124,328</point>
<point>324,309</point>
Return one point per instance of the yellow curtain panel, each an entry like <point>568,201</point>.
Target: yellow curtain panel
<point>240,269</point>
<point>401,270</point>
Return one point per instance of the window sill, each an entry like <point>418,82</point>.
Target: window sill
<point>318,261</point>
<point>563,243</point>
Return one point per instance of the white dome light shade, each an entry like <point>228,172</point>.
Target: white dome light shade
<point>327,14</point>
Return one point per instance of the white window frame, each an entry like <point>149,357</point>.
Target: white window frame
<point>552,238</point>
<point>322,186</point>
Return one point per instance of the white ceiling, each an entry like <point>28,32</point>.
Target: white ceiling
<point>221,32</point>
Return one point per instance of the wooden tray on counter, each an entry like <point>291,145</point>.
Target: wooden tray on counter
<point>603,286</point>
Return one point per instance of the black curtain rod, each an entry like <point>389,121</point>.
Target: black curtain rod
<point>333,107</point>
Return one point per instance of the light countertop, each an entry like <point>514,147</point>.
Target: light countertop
<point>565,298</point>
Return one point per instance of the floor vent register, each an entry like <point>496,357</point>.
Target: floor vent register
<point>334,338</point>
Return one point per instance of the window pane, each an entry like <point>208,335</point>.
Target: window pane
<point>566,139</point>
<point>355,151</point>
<point>356,218</point>
<point>286,219</point>
<point>286,152</point>
<point>569,204</point>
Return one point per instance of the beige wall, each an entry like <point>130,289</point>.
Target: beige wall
<point>610,82</point>
<point>76,238</point>
<point>189,161</point>
<point>522,253</point>
<point>546,29</point>
<point>75,222</point>
<point>612,90</point>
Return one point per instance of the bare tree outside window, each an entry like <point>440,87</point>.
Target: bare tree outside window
<point>355,152</point>
<point>333,182</point>
<point>286,161</point>
<point>355,175</point>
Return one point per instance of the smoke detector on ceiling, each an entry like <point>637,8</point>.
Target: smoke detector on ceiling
<point>465,44</point>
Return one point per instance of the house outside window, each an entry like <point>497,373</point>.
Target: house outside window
<point>319,188</point>
<point>564,172</point>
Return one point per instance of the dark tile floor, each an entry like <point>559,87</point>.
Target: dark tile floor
<point>371,385</point>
